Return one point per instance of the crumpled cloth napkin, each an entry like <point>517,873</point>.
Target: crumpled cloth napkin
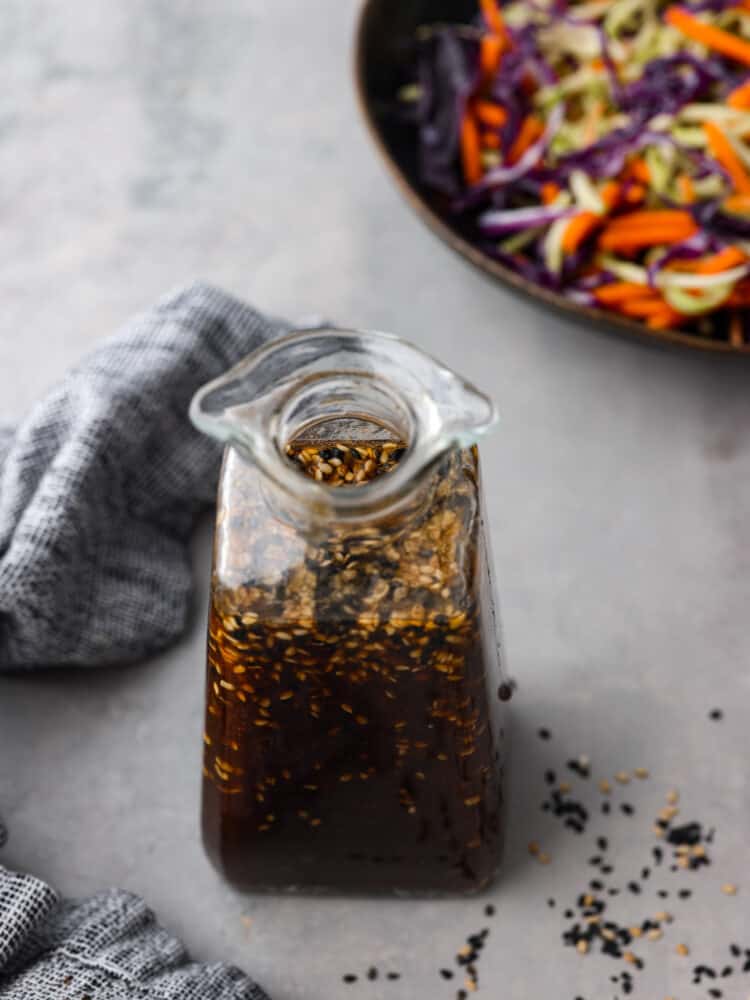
<point>108,947</point>
<point>100,486</point>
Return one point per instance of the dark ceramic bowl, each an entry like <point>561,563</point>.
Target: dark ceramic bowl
<point>383,58</point>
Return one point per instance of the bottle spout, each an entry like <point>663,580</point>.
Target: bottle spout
<point>300,383</point>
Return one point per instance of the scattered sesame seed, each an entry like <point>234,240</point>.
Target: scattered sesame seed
<point>682,949</point>
<point>716,715</point>
<point>604,787</point>
<point>673,797</point>
<point>543,859</point>
<point>533,848</point>
<point>349,978</point>
<point>446,973</point>
<point>655,934</point>
<point>489,910</point>
<point>544,734</point>
<point>641,772</point>
<point>582,946</point>
<point>623,777</point>
<point>729,889</point>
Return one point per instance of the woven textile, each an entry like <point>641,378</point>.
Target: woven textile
<point>101,483</point>
<point>108,947</point>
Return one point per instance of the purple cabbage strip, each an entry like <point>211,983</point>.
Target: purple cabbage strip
<point>517,219</point>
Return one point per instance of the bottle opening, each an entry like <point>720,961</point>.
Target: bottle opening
<point>345,430</point>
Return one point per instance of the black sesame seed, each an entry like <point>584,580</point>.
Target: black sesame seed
<point>446,973</point>
<point>393,975</point>
<point>596,860</point>
<point>685,893</point>
<point>627,809</point>
<point>550,903</point>
<point>372,973</point>
<point>544,734</point>
<point>569,914</point>
<point>662,894</point>
<point>550,777</point>
<point>727,971</point>
<point>606,869</point>
<point>716,714</point>
<point>602,843</point>
<point>658,855</point>
<point>461,995</point>
<point>606,808</point>
<point>735,950</point>
<point>489,910</point>
<point>645,872</point>
<point>715,993</point>
<point>613,892</point>
<point>596,885</point>
<point>689,834</point>
<point>634,887</point>
<point>349,978</point>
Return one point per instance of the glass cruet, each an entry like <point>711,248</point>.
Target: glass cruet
<point>354,739</point>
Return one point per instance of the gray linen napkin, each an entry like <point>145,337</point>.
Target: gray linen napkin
<point>108,947</point>
<point>99,489</point>
<point>101,483</point>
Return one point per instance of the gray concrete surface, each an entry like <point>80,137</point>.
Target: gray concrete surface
<point>148,143</point>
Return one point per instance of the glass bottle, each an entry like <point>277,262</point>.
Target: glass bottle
<point>353,738</point>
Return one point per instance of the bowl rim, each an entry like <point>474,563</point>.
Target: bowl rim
<point>606,321</point>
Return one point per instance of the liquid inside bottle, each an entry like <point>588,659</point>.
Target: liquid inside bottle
<point>353,738</point>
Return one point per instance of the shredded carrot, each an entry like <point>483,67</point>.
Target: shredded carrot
<point>635,194</point>
<point>638,237</point>
<point>597,63</point>
<point>736,335</point>
<point>620,291</point>
<point>493,18</point>
<point>637,170</point>
<point>722,149</point>
<point>652,218</point>
<point>490,114</point>
<point>550,191</point>
<point>471,157</point>
<point>666,318</point>
<point>713,38</point>
<point>578,230</point>
<point>530,130</point>
<point>491,140</point>
<point>722,261</point>
<point>490,55</point>
<point>643,308</point>
<point>686,188</point>
<point>737,203</point>
<point>739,98</point>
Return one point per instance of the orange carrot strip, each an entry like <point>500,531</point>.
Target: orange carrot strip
<point>490,55</point>
<point>582,226</point>
<point>739,98</point>
<point>737,203</point>
<point>550,191</point>
<point>652,217</point>
<point>643,308</point>
<point>620,291</point>
<point>639,239</point>
<point>578,229</point>
<point>490,114</point>
<point>736,336</point>
<point>493,18</point>
<point>686,188</point>
<point>725,259</point>
<point>713,38</point>
<point>531,128</point>
<point>725,154</point>
<point>668,317</point>
<point>637,170</point>
<point>491,140</point>
<point>611,194</point>
<point>471,157</point>
<point>635,194</point>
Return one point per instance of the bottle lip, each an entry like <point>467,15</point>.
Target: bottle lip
<point>440,408</point>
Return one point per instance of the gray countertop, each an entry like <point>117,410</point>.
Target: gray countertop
<point>149,143</point>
